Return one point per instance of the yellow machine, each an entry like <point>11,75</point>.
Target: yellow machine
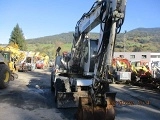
<point>140,71</point>
<point>42,60</point>
<point>7,69</point>
<point>46,60</point>
<point>15,53</point>
<point>30,59</point>
<point>121,70</point>
<point>9,57</point>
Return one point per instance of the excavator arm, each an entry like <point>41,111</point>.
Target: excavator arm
<point>110,15</point>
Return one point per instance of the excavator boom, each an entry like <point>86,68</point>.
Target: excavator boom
<point>83,74</point>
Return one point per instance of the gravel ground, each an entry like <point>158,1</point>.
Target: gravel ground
<point>29,98</point>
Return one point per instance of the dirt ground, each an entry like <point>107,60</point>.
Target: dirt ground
<point>29,98</point>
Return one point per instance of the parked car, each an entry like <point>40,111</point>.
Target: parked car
<point>40,64</point>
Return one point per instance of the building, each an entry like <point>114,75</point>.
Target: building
<point>155,57</point>
<point>134,56</point>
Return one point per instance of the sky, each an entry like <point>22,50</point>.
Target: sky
<point>39,18</point>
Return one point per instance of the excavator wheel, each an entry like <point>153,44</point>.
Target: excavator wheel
<point>58,88</point>
<point>5,76</point>
<point>86,111</point>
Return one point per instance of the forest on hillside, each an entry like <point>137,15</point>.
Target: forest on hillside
<point>137,40</point>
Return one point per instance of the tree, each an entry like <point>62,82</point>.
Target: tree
<point>17,37</point>
<point>137,49</point>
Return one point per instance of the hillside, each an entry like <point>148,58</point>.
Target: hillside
<point>63,37</point>
<point>140,39</point>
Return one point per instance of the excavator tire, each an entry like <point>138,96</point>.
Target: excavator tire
<point>86,111</point>
<point>62,92</point>
<point>59,87</point>
<point>52,83</point>
<point>5,75</point>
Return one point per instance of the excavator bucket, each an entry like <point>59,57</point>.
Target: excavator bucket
<point>110,98</point>
<point>69,99</point>
<point>87,111</point>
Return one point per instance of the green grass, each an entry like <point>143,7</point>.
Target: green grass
<point>66,47</point>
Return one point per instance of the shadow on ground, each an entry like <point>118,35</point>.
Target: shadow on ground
<point>36,94</point>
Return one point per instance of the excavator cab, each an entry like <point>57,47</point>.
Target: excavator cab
<point>9,60</point>
<point>6,55</point>
<point>88,56</point>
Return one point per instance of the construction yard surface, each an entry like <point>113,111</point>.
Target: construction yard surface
<point>29,98</point>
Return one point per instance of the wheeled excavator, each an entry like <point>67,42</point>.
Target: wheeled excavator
<point>80,78</point>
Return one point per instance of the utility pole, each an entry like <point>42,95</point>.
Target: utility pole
<point>124,39</point>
